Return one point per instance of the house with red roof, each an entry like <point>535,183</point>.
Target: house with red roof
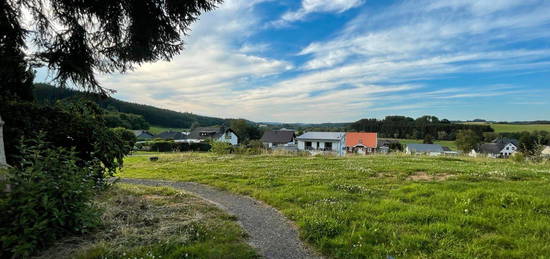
<point>361,142</point>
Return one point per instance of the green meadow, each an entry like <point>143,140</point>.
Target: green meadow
<point>511,128</point>
<point>384,206</point>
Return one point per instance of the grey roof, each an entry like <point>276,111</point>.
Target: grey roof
<point>142,134</point>
<point>491,148</point>
<point>425,148</point>
<point>506,141</point>
<point>386,142</point>
<point>323,135</point>
<point>446,148</point>
<point>171,135</point>
<point>278,136</point>
<point>208,132</point>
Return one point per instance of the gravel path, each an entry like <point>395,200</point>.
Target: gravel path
<point>270,232</point>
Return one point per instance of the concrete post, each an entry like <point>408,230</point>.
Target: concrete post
<point>3,162</point>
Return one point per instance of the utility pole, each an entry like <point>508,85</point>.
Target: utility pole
<point>3,162</point>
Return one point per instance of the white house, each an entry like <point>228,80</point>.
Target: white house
<point>221,134</point>
<point>323,142</point>
<point>496,150</point>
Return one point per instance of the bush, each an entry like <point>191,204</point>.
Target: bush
<point>221,148</point>
<point>200,147</point>
<point>50,197</point>
<point>162,146</point>
<point>128,137</point>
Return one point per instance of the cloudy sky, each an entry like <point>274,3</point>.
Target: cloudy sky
<point>342,60</point>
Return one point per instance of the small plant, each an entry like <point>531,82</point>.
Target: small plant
<point>221,148</point>
<point>50,197</point>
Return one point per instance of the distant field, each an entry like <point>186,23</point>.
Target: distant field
<point>157,129</point>
<point>447,143</point>
<point>516,127</point>
<point>385,206</point>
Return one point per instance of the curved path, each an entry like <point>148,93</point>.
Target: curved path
<point>270,232</point>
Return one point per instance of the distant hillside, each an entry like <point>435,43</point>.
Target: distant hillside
<point>45,93</point>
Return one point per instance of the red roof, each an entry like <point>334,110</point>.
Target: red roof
<point>367,139</point>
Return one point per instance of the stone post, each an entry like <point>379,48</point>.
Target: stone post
<point>3,162</point>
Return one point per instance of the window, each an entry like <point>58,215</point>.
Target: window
<point>328,146</point>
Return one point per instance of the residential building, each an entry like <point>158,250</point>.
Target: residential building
<point>361,142</point>
<point>322,142</point>
<point>448,151</point>
<point>143,134</point>
<point>384,145</point>
<point>498,149</point>
<point>426,149</point>
<point>221,134</point>
<point>278,138</point>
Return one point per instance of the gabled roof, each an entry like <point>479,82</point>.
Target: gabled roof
<point>446,148</point>
<point>424,148</point>
<point>278,136</point>
<point>366,139</point>
<point>208,132</point>
<point>386,142</point>
<point>491,148</point>
<point>140,132</point>
<point>312,135</point>
<point>505,141</point>
<point>170,135</point>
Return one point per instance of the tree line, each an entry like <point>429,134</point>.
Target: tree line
<point>423,127</point>
<point>45,93</point>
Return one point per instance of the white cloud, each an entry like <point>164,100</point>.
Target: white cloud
<point>317,6</point>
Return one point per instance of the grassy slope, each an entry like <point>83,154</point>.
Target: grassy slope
<point>516,127</point>
<point>366,206</point>
<point>149,222</point>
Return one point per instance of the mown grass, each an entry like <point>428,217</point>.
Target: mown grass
<point>153,222</point>
<point>377,206</point>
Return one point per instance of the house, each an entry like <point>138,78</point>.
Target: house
<point>275,138</point>
<point>171,135</point>
<point>143,134</point>
<point>322,142</point>
<point>546,151</point>
<point>221,134</point>
<point>496,150</point>
<point>427,149</point>
<point>361,142</point>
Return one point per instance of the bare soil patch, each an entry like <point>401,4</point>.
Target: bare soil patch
<point>423,176</point>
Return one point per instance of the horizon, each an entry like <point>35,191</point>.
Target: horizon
<point>318,61</point>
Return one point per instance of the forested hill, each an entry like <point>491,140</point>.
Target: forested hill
<point>45,93</point>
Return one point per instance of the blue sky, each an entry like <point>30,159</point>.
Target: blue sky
<point>342,60</point>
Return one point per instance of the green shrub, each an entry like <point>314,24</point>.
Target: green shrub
<point>128,137</point>
<point>50,197</point>
<point>162,146</point>
<point>221,148</point>
<point>200,147</point>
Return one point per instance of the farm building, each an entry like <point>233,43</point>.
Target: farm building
<point>323,142</point>
<point>221,134</point>
<point>426,149</point>
<point>278,138</point>
<point>498,149</point>
<point>361,142</point>
<point>143,134</point>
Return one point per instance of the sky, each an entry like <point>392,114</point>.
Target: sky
<point>318,61</point>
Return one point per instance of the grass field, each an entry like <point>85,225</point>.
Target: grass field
<point>152,222</point>
<point>447,143</point>
<point>156,129</point>
<point>382,206</point>
<point>501,128</point>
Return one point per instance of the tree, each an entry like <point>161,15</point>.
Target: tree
<point>245,130</point>
<point>466,140</point>
<point>428,139</point>
<point>77,39</point>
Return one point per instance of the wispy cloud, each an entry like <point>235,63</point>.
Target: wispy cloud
<point>316,6</point>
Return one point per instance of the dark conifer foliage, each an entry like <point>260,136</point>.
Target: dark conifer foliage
<point>77,38</point>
